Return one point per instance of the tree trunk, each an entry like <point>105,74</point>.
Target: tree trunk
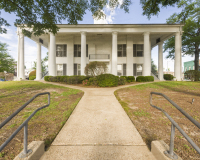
<point>196,62</point>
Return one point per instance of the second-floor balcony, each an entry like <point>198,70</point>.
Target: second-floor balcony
<point>99,57</point>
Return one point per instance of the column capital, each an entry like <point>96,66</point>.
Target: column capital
<point>114,32</point>
<point>83,32</point>
<point>146,33</point>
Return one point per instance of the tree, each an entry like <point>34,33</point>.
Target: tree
<point>190,15</point>
<point>43,63</point>
<point>43,15</point>
<point>95,68</point>
<point>7,63</point>
<point>153,67</point>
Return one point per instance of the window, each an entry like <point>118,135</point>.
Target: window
<point>189,68</point>
<point>137,69</point>
<point>61,69</point>
<point>77,50</point>
<point>77,69</point>
<point>138,50</point>
<point>185,68</point>
<point>121,69</point>
<point>121,50</point>
<point>61,50</point>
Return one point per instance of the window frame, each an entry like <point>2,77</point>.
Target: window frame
<point>64,51</point>
<point>78,53</point>
<point>136,50</point>
<point>123,50</point>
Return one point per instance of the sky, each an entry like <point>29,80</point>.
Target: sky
<point>116,16</point>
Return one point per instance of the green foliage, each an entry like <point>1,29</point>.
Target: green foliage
<point>153,67</point>
<point>44,15</point>
<point>86,82</point>
<point>145,78</point>
<point>32,77</point>
<point>54,79</point>
<point>93,81</point>
<point>168,76</point>
<point>107,80</point>
<point>190,17</point>
<point>7,63</point>
<point>193,75</point>
<point>46,78</point>
<point>121,81</point>
<point>33,73</point>
<point>43,64</point>
<point>129,78</point>
<point>95,68</point>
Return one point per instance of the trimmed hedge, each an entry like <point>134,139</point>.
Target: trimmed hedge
<point>168,76</point>
<point>33,73</point>
<point>145,78</point>
<point>32,77</point>
<point>46,78</point>
<point>121,81</point>
<point>129,78</point>
<point>107,80</point>
<point>193,75</point>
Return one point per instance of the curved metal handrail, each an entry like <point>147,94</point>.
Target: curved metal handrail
<point>170,153</point>
<point>24,124</point>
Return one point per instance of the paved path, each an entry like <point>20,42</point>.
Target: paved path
<point>98,129</point>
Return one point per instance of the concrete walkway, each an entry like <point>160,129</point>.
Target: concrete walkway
<point>98,129</point>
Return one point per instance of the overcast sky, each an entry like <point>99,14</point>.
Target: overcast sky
<point>117,16</point>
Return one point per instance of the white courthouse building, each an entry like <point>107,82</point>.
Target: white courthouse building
<point>126,48</point>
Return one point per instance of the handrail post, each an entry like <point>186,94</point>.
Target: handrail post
<point>171,153</point>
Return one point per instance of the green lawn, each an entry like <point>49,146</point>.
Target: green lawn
<point>153,124</point>
<point>46,124</point>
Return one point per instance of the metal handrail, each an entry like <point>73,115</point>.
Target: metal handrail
<point>45,74</point>
<point>170,153</point>
<point>24,124</point>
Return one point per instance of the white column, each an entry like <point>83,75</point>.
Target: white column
<point>21,65</point>
<point>114,53</point>
<point>147,55</point>
<point>160,61</point>
<point>181,74</point>
<point>177,61</point>
<point>129,58</point>
<point>18,56</point>
<point>52,55</point>
<point>39,65</point>
<point>83,52</point>
<point>70,57</point>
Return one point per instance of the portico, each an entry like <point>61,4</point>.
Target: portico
<point>125,48</point>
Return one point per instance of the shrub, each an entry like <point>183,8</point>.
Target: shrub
<point>141,79</point>
<point>46,78</point>
<point>121,81</point>
<point>33,73</point>
<point>193,75</point>
<point>86,82</point>
<point>95,68</point>
<point>107,80</point>
<point>53,79</point>
<point>168,76</point>
<point>32,77</point>
<point>149,78</point>
<point>93,81</point>
<point>130,79</point>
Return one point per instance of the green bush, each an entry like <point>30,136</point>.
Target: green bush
<point>149,78</point>
<point>33,73</point>
<point>130,79</point>
<point>32,77</point>
<point>46,78</point>
<point>53,79</point>
<point>140,79</point>
<point>86,82</point>
<point>122,80</point>
<point>107,80</point>
<point>168,76</point>
<point>93,81</point>
<point>193,75</point>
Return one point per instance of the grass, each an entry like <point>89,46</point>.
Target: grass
<point>45,124</point>
<point>153,124</point>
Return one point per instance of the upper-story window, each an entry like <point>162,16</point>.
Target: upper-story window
<point>61,50</point>
<point>121,50</point>
<point>138,50</point>
<point>77,50</point>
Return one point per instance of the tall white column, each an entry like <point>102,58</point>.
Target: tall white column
<point>181,74</point>
<point>129,57</point>
<point>114,53</point>
<point>147,55</point>
<point>18,56</point>
<point>21,65</point>
<point>160,61</point>
<point>83,52</point>
<point>177,63</point>
<point>70,57</point>
<point>52,55</point>
<point>39,65</point>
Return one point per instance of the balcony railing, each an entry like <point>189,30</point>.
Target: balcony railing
<point>99,56</point>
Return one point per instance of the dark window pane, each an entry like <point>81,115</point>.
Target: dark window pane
<point>124,69</point>
<point>134,50</point>
<point>79,54</point>
<point>139,73</point>
<point>140,47</point>
<point>139,53</point>
<point>75,69</point>
<point>87,50</point>
<point>119,53</point>
<point>134,69</point>
<point>64,69</point>
<point>119,47</point>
